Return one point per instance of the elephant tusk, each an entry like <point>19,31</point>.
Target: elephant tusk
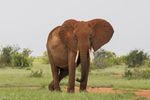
<point>89,52</point>
<point>77,56</point>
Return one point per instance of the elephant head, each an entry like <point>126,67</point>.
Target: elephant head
<point>82,36</point>
<point>86,35</point>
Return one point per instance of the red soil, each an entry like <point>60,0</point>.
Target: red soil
<point>141,93</point>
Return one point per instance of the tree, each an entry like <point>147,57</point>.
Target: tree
<point>22,59</point>
<point>11,56</point>
<point>136,58</point>
<point>6,54</point>
<point>26,52</point>
<point>103,58</point>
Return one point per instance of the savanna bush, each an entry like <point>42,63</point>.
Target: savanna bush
<point>6,54</point>
<point>137,73</point>
<point>10,56</point>
<point>147,63</point>
<point>18,60</point>
<point>103,59</point>
<point>36,73</point>
<point>136,58</point>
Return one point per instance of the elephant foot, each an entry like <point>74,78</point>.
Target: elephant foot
<point>51,87</point>
<point>83,87</point>
<point>83,90</point>
<point>70,90</point>
<point>57,89</point>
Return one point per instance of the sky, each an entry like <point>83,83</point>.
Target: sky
<point>27,23</point>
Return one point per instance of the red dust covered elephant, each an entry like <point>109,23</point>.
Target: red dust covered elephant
<point>68,46</point>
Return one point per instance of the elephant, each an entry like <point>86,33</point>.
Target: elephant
<point>69,44</point>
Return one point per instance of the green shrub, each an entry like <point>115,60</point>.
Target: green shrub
<point>103,59</point>
<point>28,68</point>
<point>128,73</point>
<point>137,73</point>
<point>22,59</point>
<point>146,74</point>
<point>136,58</point>
<point>147,63</point>
<point>6,54</point>
<point>19,60</point>
<point>36,73</point>
<point>10,56</point>
<point>122,59</point>
<point>98,63</point>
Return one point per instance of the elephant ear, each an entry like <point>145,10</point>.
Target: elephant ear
<point>67,36</point>
<point>102,32</point>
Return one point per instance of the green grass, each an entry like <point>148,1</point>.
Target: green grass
<point>109,77</point>
<point>44,94</point>
<point>113,77</point>
<point>22,76</point>
<point>16,84</point>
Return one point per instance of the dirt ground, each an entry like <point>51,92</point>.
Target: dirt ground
<point>141,93</point>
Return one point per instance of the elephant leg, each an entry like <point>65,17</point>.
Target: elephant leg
<point>55,73</point>
<point>51,86</point>
<point>56,78</point>
<point>63,73</point>
<point>71,68</point>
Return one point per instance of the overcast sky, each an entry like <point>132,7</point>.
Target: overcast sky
<point>28,22</point>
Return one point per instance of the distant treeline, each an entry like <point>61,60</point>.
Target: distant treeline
<point>14,56</point>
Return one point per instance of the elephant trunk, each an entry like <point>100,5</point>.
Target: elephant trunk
<point>85,60</point>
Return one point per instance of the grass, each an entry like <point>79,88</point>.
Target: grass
<point>43,94</point>
<point>16,84</point>
<point>113,77</point>
<point>22,76</point>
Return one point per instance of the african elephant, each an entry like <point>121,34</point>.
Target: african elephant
<point>68,46</point>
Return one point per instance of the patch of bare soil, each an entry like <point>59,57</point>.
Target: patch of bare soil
<point>141,93</point>
<point>100,90</point>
